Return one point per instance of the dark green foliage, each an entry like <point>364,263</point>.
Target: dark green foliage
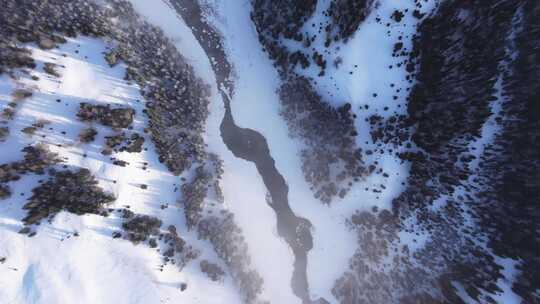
<point>73,191</point>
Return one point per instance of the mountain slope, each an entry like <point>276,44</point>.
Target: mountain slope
<point>262,151</point>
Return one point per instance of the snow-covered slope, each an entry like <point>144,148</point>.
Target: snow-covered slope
<point>57,266</point>
<point>265,151</point>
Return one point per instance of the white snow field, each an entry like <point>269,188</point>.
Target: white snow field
<point>55,266</point>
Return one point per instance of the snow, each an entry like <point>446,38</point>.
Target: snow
<point>243,189</point>
<point>55,266</point>
<point>245,195</point>
<point>256,98</point>
<point>478,146</point>
<point>507,296</point>
<point>256,86</point>
<point>53,269</point>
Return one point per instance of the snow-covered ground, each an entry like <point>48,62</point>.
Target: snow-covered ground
<point>244,191</point>
<point>256,106</point>
<point>55,266</point>
<point>75,259</point>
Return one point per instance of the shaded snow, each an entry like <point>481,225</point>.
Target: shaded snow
<point>243,188</point>
<point>55,266</point>
<point>256,105</point>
